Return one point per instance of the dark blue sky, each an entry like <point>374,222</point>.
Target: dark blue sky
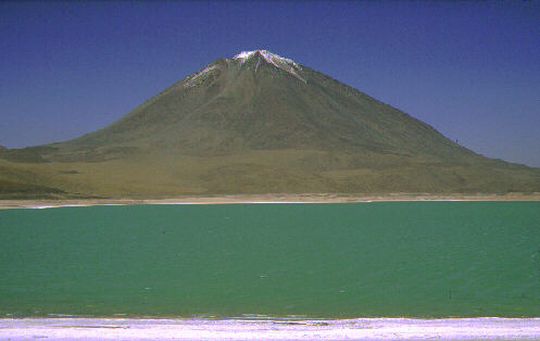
<point>470,69</point>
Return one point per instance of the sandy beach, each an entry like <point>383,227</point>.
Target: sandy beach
<point>265,199</point>
<point>238,329</point>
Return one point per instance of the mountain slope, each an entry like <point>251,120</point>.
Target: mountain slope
<point>260,123</point>
<point>252,104</point>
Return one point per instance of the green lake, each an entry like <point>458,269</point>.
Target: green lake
<point>418,259</point>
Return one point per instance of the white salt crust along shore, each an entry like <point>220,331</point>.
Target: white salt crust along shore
<point>261,199</point>
<point>237,329</point>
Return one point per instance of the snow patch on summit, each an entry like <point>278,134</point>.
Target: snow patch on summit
<point>282,63</point>
<point>270,57</point>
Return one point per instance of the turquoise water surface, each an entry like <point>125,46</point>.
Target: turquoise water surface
<point>419,259</point>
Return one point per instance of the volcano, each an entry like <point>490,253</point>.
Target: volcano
<point>259,123</point>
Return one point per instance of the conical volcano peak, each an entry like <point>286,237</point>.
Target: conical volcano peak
<point>257,123</point>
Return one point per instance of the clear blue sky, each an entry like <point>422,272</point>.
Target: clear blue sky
<point>470,69</point>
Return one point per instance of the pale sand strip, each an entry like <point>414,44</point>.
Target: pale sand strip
<point>312,198</point>
<point>206,329</point>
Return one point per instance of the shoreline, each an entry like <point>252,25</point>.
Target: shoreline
<point>262,199</point>
<point>485,328</point>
